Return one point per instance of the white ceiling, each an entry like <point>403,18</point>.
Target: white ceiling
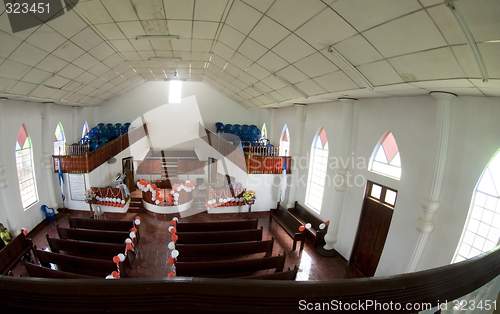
<point>403,48</point>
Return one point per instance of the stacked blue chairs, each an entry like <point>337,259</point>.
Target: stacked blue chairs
<point>108,126</point>
<point>228,128</point>
<point>100,125</point>
<point>244,127</point>
<point>236,127</point>
<point>123,129</point>
<point>219,126</point>
<point>252,127</point>
<point>118,125</point>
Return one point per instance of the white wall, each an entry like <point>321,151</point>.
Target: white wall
<point>213,106</point>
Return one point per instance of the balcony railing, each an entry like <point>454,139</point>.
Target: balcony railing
<point>230,151</point>
<point>77,163</point>
<point>199,295</point>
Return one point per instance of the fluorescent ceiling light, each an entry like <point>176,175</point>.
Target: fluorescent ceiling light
<point>472,43</point>
<point>149,37</point>
<point>287,82</point>
<point>365,81</point>
<point>165,58</point>
<point>40,84</point>
<point>175,89</point>
<point>265,94</point>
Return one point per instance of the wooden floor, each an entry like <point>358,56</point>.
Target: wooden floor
<point>153,251</point>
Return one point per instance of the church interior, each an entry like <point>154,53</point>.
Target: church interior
<point>354,140</point>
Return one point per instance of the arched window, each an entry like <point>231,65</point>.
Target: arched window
<point>317,171</point>
<point>385,159</point>
<point>264,131</point>
<point>285,142</point>
<point>59,140</point>
<point>25,169</point>
<point>85,130</point>
<point>482,229</point>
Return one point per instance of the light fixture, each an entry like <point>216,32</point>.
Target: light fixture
<point>365,81</point>
<point>175,89</point>
<point>149,37</point>
<point>287,82</point>
<point>165,58</point>
<point>265,93</point>
<point>40,84</point>
<point>472,43</point>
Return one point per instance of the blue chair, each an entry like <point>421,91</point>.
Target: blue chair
<point>244,127</point>
<point>228,128</point>
<point>124,129</point>
<point>49,213</point>
<point>118,126</point>
<point>219,126</point>
<point>252,127</point>
<point>100,125</point>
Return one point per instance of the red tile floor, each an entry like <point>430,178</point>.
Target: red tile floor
<point>153,252</point>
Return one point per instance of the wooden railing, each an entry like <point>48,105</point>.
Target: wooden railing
<point>264,150</point>
<point>231,152</point>
<point>198,295</point>
<point>88,162</point>
<point>268,165</point>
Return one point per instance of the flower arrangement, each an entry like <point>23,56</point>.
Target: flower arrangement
<point>249,196</point>
<point>89,196</point>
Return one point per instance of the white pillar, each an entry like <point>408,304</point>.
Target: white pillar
<point>296,148</point>
<point>430,202</point>
<point>48,150</point>
<point>341,175</point>
<point>4,199</point>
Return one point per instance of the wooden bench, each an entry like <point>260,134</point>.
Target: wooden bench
<point>216,225</point>
<point>304,216</point>
<point>288,222</point>
<point>225,249</point>
<point>98,224</point>
<point>44,272</point>
<point>12,253</point>
<point>289,274</point>
<point>102,250</point>
<point>76,263</point>
<point>220,236</point>
<point>103,236</point>
<point>230,267</point>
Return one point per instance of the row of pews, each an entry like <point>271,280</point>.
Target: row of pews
<point>89,248</point>
<point>227,249</point>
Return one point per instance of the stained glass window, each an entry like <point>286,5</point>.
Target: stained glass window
<point>386,159</point>
<point>317,174</point>
<point>85,130</point>
<point>482,229</point>
<point>264,131</point>
<point>285,142</point>
<point>25,168</point>
<point>59,140</point>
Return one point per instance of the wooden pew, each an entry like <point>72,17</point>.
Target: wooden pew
<point>217,225</point>
<point>89,248</point>
<point>230,267</point>
<point>288,222</point>
<point>103,236</point>
<point>98,224</point>
<point>84,247</point>
<point>304,216</point>
<point>225,249</point>
<point>44,272</point>
<point>77,263</point>
<point>220,236</point>
<point>12,253</point>
<point>289,274</point>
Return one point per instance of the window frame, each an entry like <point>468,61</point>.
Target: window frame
<point>32,176</point>
<point>282,151</point>
<point>388,164</point>
<point>383,193</point>
<point>311,173</point>
<point>60,143</point>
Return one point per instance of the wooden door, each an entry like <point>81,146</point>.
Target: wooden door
<point>372,232</point>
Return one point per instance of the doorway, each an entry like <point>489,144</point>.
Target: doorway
<point>128,171</point>
<point>373,227</point>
